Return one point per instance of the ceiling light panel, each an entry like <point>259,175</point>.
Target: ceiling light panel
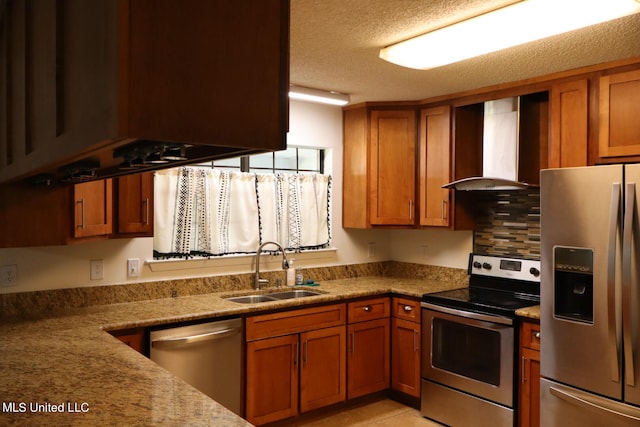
<point>510,26</point>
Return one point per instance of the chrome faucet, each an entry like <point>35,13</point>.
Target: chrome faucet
<point>285,263</point>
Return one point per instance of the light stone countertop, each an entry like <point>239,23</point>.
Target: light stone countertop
<point>532,313</point>
<point>68,362</point>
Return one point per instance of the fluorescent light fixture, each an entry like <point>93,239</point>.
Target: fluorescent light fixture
<point>510,26</point>
<point>315,95</point>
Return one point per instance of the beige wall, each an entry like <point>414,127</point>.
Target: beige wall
<point>312,125</point>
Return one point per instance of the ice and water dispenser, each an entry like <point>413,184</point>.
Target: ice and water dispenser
<point>573,284</point>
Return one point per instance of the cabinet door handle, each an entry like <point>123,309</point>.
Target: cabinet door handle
<point>524,369</point>
<point>304,353</point>
<point>353,342</point>
<point>408,308</point>
<point>82,223</point>
<point>415,341</point>
<point>443,214</point>
<point>146,211</point>
<point>296,355</point>
<point>410,209</point>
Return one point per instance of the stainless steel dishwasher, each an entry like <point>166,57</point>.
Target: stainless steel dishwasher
<point>206,355</point>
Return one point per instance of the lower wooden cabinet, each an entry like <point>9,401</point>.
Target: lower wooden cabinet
<point>405,346</point>
<point>368,365</point>
<point>529,384</point>
<point>301,369</point>
<point>134,338</point>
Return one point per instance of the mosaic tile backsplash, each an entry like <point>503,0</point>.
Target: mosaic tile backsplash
<point>509,224</point>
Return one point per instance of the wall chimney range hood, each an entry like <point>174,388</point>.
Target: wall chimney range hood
<point>500,152</point>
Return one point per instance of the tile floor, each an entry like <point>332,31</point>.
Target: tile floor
<point>379,412</point>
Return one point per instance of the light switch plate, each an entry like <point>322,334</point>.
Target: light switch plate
<point>133,267</point>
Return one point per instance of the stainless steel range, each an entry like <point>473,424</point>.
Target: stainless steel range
<point>469,357</point>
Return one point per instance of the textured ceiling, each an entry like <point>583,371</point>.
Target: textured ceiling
<point>335,45</point>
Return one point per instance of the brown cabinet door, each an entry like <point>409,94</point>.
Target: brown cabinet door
<point>93,208</point>
<point>368,357</point>
<point>569,124</point>
<point>405,357</point>
<point>435,166</point>
<point>529,388</point>
<point>323,376</point>
<point>618,116</point>
<point>272,379</point>
<point>135,204</point>
<point>392,167</point>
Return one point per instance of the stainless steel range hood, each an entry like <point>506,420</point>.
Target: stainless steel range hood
<point>499,149</point>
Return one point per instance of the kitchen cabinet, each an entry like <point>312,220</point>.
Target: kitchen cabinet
<point>368,336</point>
<point>85,80</point>
<point>569,102</point>
<point>435,166</point>
<point>134,338</point>
<point>62,215</point>
<point>619,128</point>
<point>31,216</point>
<point>379,163</point>
<point>405,346</point>
<point>134,205</point>
<point>529,384</point>
<point>296,362</point>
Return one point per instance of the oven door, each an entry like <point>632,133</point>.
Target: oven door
<point>470,352</point>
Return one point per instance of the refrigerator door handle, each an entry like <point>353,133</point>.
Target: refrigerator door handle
<point>614,215</point>
<point>583,400</point>
<point>627,244</point>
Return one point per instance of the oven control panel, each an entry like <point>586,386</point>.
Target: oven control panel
<point>507,268</point>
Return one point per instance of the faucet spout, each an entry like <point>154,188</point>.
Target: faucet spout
<point>257,281</point>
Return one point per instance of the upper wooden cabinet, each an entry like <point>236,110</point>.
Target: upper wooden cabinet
<point>569,103</point>
<point>62,215</point>
<point>84,78</point>
<point>379,167</point>
<point>435,166</point>
<point>134,204</point>
<point>619,109</point>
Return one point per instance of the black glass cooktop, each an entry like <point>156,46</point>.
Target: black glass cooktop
<point>483,300</point>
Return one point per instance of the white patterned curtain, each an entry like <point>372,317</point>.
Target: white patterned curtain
<point>202,211</point>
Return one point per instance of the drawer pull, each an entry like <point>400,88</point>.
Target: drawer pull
<point>408,308</point>
<point>537,335</point>
<point>367,308</point>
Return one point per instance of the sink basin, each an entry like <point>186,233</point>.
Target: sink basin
<point>297,293</point>
<point>251,299</point>
<point>273,296</point>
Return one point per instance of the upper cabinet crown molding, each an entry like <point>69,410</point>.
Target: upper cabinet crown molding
<point>87,79</point>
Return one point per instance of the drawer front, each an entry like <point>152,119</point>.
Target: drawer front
<point>370,309</point>
<point>530,335</point>
<point>295,321</point>
<point>406,309</point>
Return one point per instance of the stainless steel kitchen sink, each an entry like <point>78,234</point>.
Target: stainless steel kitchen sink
<point>272,296</point>
<point>297,293</point>
<point>251,299</point>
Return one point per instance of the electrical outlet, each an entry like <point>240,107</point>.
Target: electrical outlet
<point>97,271</point>
<point>133,267</point>
<point>371,250</point>
<point>9,275</point>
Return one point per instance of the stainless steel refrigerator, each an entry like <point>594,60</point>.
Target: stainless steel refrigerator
<point>590,259</point>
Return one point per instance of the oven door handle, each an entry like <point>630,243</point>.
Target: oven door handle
<point>468,314</point>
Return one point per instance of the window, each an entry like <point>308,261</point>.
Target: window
<point>292,160</point>
<point>232,206</point>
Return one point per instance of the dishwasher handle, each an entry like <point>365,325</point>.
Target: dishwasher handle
<point>208,336</point>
